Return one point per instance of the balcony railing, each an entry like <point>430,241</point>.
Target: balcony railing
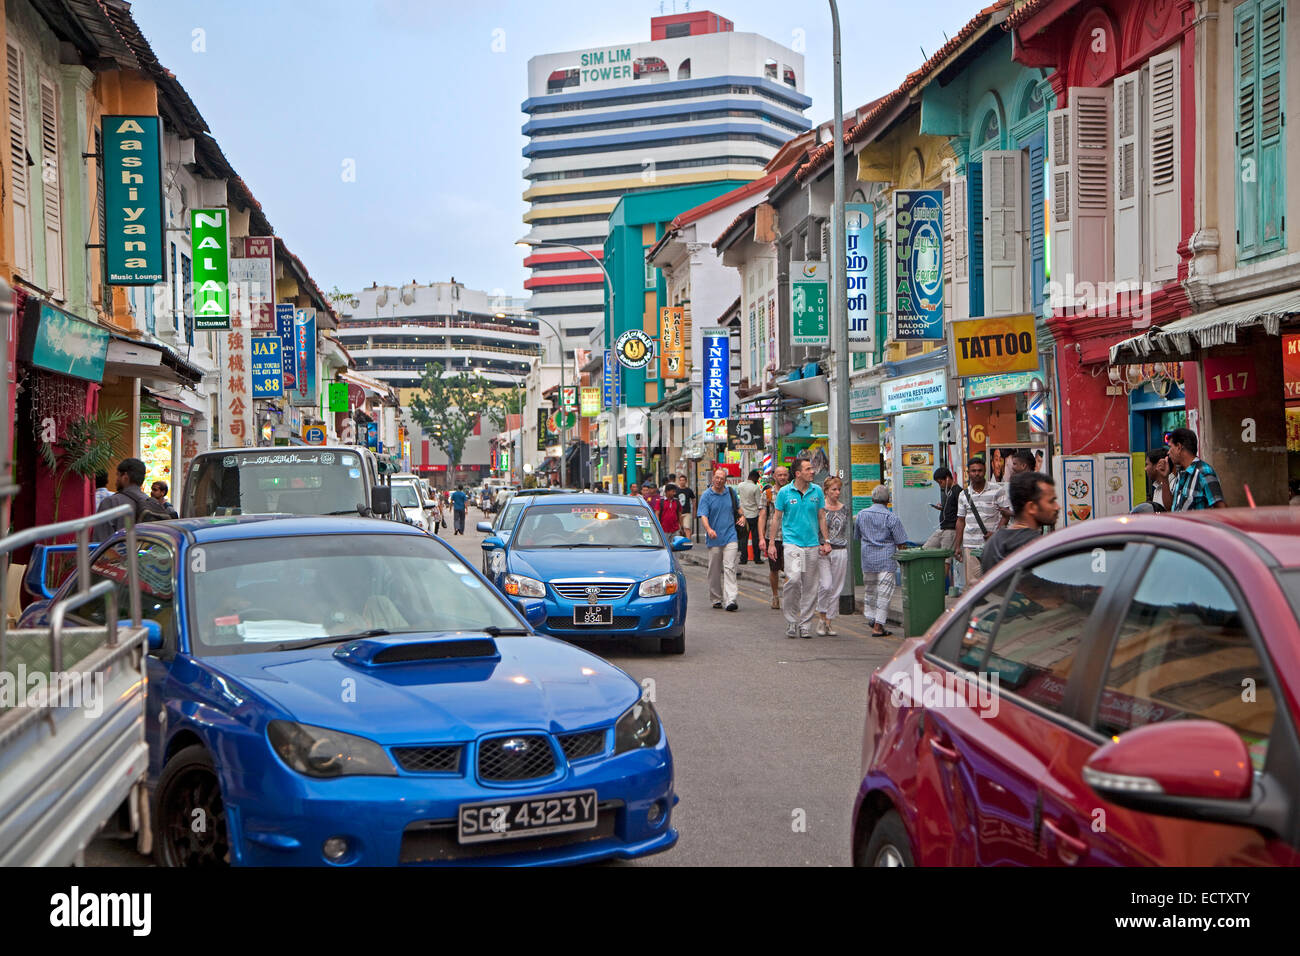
<point>433,322</point>
<point>358,349</point>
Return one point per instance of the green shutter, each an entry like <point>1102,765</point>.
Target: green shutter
<point>1259,103</point>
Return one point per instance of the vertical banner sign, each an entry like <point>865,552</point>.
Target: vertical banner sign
<point>267,369</point>
<point>918,264</point>
<point>613,381</point>
<point>133,200</point>
<point>569,397</point>
<point>284,329</point>
<point>859,259</point>
<point>304,330</point>
<point>211,278</point>
<point>590,401</point>
<point>717,383</point>
<point>809,319</point>
<point>672,345</point>
<point>543,415</point>
<point>235,387</point>
<point>252,279</point>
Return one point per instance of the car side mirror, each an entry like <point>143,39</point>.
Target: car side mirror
<point>483,527</point>
<point>381,499</point>
<point>682,543</point>
<point>1197,769</point>
<point>152,628</point>
<point>534,612</point>
<point>492,542</point>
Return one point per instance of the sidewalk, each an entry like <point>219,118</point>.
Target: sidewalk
<point>748,572</point>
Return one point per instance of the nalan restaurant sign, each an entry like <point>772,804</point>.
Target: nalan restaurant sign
<point>134,232</point>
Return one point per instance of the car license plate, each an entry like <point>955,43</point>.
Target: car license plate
<point>589,614</point>
<point>528,816</point>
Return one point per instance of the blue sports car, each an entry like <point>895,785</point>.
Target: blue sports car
<point>601,565</point>
<point>339,691</point>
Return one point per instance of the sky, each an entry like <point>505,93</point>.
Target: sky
<point>382,137</point>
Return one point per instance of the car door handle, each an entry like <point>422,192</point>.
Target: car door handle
<point>945,753</point>
<point>1069,848</point>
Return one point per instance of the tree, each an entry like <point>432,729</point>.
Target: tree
<point>449,406</point>
<point>85,450</point>
<point>511,402</point>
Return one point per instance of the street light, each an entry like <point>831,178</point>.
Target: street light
<point>609,344</point>
<point>564,430</point>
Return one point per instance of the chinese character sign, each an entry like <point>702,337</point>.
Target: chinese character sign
<point>809,318</point>
<point>235,390</point>
<point>304,329</point>
<point>717,381</point>
<point>859,257</point>
<point>918,264</point>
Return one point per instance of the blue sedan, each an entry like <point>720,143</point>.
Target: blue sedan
<point>338,691</point>
<point>601,565</point>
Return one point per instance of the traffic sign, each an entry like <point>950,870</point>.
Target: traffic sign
<point>313,434</point>
<point>745,434</point>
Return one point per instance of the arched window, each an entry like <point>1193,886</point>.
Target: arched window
<point>1031,102</point>
<point>989,132</point>
<point>684,71</point>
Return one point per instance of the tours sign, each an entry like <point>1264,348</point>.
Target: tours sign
<point>918,264</point>
<point>810,321</point>
<point>267,371</point>
<point>133,200</point>
<point>209,229</point>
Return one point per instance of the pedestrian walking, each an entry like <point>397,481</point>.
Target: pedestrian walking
<point>835,565</point>
<point>130,475</point>
<point>1034,508</point>
<point>946,534</point>
<point>158,492</point>
<point>717,520</point>
<point>685,503</point>
<point>1198,486</point>
<point>670,512</point>
<point>881,534</point>
<point>1161,479</point>
<point>435,515</point>
<point>458,502</point>
<point>749,494</point>
<point>634,490</point>
<point>799,521</point>
<point>775,566</point>
<point>982,508</point>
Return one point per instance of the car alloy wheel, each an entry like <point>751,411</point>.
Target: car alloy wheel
<point>888,855</point>
<point>190,816</point>
<point>888,844</point>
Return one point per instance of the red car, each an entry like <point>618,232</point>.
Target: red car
<point>1122,692</point>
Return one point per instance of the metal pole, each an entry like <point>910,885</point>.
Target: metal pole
<point>839,304</point>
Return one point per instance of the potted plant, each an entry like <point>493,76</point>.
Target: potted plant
<point>85,449</point>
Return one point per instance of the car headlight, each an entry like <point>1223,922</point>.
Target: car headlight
<point>637,728</point>
<point>320,752</point>
<point>519,586</point>
<point>659,586</point>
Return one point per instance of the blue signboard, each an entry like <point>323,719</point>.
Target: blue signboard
<point>372,435</point>
<point>717,374</point>
<point>612,393</point>
<point>918,264</point>
<point>859,275</point>
<point>63,343</point>
<point>267,369</point>
<point>304,328</point>
<point>288,350</point>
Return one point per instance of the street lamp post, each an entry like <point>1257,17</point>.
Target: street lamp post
<point>609,344</point>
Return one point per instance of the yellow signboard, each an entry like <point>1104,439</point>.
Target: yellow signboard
<point>989,346</point>
<point>672,344</point>
<point>590,401</point>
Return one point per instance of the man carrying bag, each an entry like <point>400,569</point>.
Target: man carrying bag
<point>130,476</point>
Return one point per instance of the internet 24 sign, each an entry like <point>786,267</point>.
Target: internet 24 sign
<point>918,266</point>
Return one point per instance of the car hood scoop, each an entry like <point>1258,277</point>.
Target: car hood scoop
<point>413,649</point>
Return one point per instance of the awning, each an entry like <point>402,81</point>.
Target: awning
<point>1180,340</point>
<point>135,358</point>
<point>372,385</point>
<point>173,412</point>
<point>814,391</point>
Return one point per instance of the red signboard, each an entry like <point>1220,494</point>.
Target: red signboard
<point>1231,376</point>
<point>1291,366</point>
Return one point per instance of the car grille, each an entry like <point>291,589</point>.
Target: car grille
<point>429,759</point>
<point>434,841</point>
<point>496,763</point>
<point>588,743</point>
<point>577,590</point>
<point>566,624</point>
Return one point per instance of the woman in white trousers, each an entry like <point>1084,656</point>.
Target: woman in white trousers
<point>833,566</point>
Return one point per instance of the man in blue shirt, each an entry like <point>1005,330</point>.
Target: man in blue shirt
<point>1197,486</point>
<point>799,519</point>
<point>881,533</point>
<point>717,512</point>
<point>458,499</point>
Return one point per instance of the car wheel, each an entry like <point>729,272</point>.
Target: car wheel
<point>189,815</point>
<point>673,645</point>
<point>888,845</point>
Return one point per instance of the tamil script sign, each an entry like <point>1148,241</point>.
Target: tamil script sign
<point>918,264</point>
<point>717,381</point>
<point>134,232</point>
<point>809,317</point>
<point>864,402</point>
<point>284,329</point>
<point>859,259</point>
<point>991,346</point>
<point>914,391</point>
<point>267,369</point>
<point>208,233</point>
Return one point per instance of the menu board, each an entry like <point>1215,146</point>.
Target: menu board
<point>156,452</point>
<point>866,473</point>
<point>918,465</point>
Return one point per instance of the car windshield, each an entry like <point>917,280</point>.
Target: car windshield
<point>263,594</point>
<point>297,482</point>
<point>405,496</point>
<point>578,525</point>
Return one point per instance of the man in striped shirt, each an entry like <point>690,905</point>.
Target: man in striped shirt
<point>881,534</point>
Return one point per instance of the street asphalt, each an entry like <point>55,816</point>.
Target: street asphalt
<point>766,732</point>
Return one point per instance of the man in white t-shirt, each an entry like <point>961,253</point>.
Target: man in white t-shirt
<point>982,508</point>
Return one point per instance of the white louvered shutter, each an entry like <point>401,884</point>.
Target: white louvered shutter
<point>947,254</point>
<point>960,250</point>
<point>1130,176</point>
<point>51,188</point>
<point>18,183</point>
<point>1163,167</point>
<point>1060,190</point>
<point>1004,232</point>
<point>1094,236</point>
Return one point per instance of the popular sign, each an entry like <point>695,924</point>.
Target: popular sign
<point>810,324</point>
<point>267,368</point>
<point>672,346</point>
<point>208,233</point>
<point>634,349</point>
<point>717,382</point>
<point>859,258</point>
<point>918,264</point>
<point>133,200</point>
<point>994,345</point>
